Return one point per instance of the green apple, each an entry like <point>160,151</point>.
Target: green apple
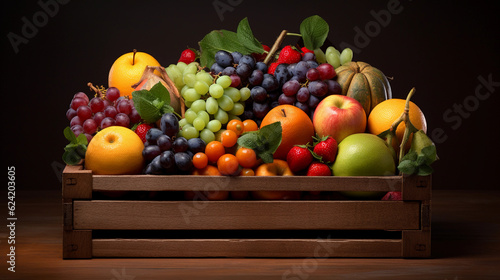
<point>364,154</point>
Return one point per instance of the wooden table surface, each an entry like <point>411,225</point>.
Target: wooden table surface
<point>465,245</point>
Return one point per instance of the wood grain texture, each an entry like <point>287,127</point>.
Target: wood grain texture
<point>272,248</point>
<point>76,183</point>
<point>164,215</point>
<point>77,244</point>
<point>247,183</point>
<point>465,245</point>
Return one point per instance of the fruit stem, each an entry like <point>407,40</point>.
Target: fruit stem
<point>294,34</point>
<point>409,127</point>
<point>284,114</point>
<point>133,57</point>
<point>96,90</point>
<point>275,47</point>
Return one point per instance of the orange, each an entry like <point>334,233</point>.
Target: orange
<point>385,113</point>
<point>297,128</point>
<point>228,138</point>
<point>228,165</point>
<point>127,70</point>
<point>247,158</point>
<point>208,170</point>
<point>115,150</point>
<point>200,160</point>
<point>214,150</point>
<point>235,125</point>
<point>250,125</point>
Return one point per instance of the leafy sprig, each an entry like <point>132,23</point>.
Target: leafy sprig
<point>152,104</point>
<point>264,141</point>
<point>75,151</point>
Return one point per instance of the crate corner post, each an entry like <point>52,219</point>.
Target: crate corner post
<point>76,185</point>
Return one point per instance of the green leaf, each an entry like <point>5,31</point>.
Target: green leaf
<point>71,157</point>
<point>218,40</point>
<point>429,153</point>
<point>424,170</point>
<point>152,104</point>
<point>271,134</point>
<point>411,155</point>
<point>314,31</point>
<point>241,41</point>
<point>420,160</point>
<point>264,141</point>
<point>82,140</point>
<point>160,92</point>
<point>246,38</point>
<point>249,140</point>
<point>69,135</point>
<point>266,157</point>
<point>407,167</point>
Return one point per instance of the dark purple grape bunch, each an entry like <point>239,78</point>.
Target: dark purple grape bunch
<point>89,116</point>
<point>165,153</point>
<point>309,83</point>
<point>245,71</point>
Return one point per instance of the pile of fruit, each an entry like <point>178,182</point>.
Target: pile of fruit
<point>237,107</point>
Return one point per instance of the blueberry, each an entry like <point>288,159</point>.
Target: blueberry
<point>261,66</point>
<point>236,57</point>
<point>224,58</point>
<point>248,59</point>
<point>216,68</point>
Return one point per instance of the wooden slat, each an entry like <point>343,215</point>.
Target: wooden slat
<point>313,248</point>
<point>240,183</point>
<point>138,215</point>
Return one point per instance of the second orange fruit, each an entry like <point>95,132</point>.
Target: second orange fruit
<point>296,126</point>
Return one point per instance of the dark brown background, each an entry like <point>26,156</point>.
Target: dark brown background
<point>439,47</point>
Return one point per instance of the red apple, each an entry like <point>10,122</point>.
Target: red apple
<point>339,116</point>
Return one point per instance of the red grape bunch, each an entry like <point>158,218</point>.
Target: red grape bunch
<point>104,110</point>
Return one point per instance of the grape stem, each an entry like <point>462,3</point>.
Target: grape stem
<point>96,90</point>
<point>275,47</point>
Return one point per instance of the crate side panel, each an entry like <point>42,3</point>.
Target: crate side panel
<point>317,248</point>
<point>165,215</point>
<point>245,183</point>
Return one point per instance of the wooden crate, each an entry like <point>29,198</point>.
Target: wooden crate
<point>96,227</point>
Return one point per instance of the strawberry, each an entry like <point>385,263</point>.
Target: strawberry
<point>326,149</point>
<point>299,158</point>
<point>392,196</point>
<point>141,130</point>
<point>272,67</point>
<point>187,56</point>
<point>319,169</point>
<point>305,50</point>
<point>289,55</point>
<point>261,56</point>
